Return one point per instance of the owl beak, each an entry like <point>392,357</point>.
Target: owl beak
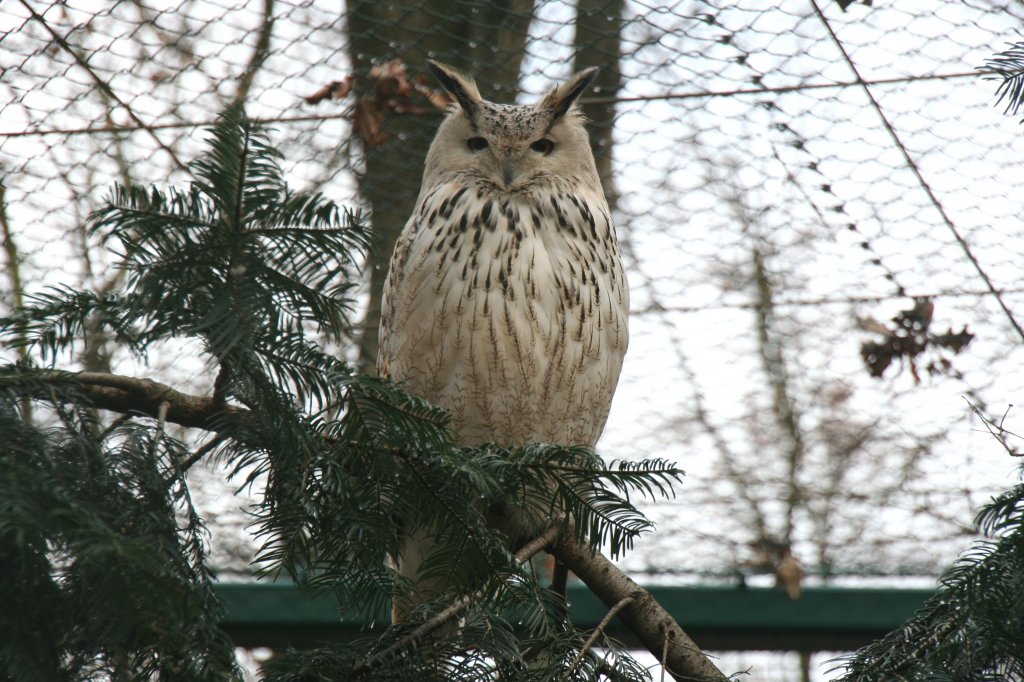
<point>508,171</point>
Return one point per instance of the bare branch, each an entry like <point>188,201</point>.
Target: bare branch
<point>102,84</point>
<point>13,271</point>
<point>201,452</point>
<point>161,422</point>
<point>918,175</point>
<point>132,395</point>
<point>623,603</point>
<point>259,53</point>
<point>642,614</point>
<point>784,408</point>
<point>998,431</point>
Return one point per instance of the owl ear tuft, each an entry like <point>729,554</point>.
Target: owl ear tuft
<point>558,102</point>
<point>459,86</point>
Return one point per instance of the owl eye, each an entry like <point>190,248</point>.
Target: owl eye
<point>543,146</point>
<point>476,144</point>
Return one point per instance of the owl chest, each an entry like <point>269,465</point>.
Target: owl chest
<point>518,274</point>
<point>511,314</point>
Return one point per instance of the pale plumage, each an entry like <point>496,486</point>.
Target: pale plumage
<point>506,301</point>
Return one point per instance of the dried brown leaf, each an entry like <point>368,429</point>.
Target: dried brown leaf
<point>333,90</point>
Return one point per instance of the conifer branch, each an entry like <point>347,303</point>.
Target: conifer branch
<point>247,267</point>
<point>1008,65</point>
<point>201,452</point>
<point>525,553</point>
<point>637,608</point>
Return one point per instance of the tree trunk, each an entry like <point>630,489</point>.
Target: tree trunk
<point>598,43</point>
<point>486,40</point>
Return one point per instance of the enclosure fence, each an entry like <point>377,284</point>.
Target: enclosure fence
<point>819,208</point>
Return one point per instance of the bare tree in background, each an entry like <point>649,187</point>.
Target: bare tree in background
<point>598,42</point>
<point>808,467</point>
<point>161,44</point>
<point>486,39</point>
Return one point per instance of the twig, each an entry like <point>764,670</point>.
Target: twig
<point>161,421</point>
<point>13,264</point>
<point>114,425</point>
<point>773,362</point>
<point>201,452</point>
<point>664,659</point>
<point>939,635</point>
<point>161,416</point>
<point>598,631</point>
<point>13,271</point>
<point>531,548</point>
<point>997,430</point>
<point>656,629</point>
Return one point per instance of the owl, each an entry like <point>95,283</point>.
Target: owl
<point>506,301</point>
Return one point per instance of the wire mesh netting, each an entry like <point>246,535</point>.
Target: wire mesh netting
<point>817,207</point>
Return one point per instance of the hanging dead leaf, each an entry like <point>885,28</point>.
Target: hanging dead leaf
<point>909,337</point>
<point>391,79</point>
<point>333,90</point>
<point>387,89</point>
<point>439,98</point>
<point>955,342</point>
<point>367,122</point>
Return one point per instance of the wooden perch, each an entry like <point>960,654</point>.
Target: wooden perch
<point>656,629</point>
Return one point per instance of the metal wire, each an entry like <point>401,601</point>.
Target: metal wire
<point>737,129</point>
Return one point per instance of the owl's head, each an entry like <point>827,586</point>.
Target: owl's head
<point>509,147</point>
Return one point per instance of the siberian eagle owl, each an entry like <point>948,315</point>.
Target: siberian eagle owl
<point>506,301</point>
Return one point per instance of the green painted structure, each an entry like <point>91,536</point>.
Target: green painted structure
<point>719,618</point>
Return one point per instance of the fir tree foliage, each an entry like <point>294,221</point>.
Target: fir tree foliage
<point>972,628</point>
<point>107,553</point>
<point>237,260</point>
<point>1008,67</point>
<point>477,650</point>
<point>103,553</point>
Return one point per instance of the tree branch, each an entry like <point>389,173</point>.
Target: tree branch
<point>598,631</point>
<point>132,395</point>
<point>644,616</point>
<point>201,452</point>
<point>259,53</point>
<point>13,272</point>
<point>103,85</point>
